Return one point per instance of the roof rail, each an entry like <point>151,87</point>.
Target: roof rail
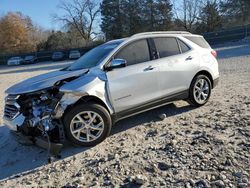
<point>161,32</point>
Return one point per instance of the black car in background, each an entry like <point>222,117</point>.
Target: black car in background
<point>57,56</point>
<point>30,59</point>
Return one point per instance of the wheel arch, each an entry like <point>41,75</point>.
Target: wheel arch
<point>206,73</point>
<point>88,99</point>
<point>94,99</point>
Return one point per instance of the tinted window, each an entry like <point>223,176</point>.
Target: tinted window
<point>136,52</point>
<point>166,46</point>
<point>200,41</point>
<point>183,46</point>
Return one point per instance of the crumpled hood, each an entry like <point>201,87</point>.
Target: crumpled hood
<point>43,81</point>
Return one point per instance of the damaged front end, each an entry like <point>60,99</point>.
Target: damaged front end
<point>38,114</point>
<point>32,106</point>
<point>32,114</point>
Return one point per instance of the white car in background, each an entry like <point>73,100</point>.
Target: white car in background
<point>15,61</point>
<point>74,54</point>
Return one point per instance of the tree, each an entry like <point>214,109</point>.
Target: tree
<point>62,40</point>
<point>210,18</point>
<point>122,18</point>
<point>158,14</point>
<point>187,14</point>
<point>236,12</point>
<point>81,15</point>
<point>14,34</point>
<point>132,11</point>
<point>112,18</point>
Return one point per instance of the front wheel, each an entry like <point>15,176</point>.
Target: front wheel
<point>87,124</point>
<point>200,90</point>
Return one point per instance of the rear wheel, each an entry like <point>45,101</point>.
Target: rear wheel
<point>200,90</point>
<point>87,124</point>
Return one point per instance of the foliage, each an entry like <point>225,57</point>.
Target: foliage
<point>14,33</point>
<point>236,12</point>
<point>210,18</point>
<point>122,18</point>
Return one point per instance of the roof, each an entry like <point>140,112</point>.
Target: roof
<point>161,32</point>
<point>148,34</point>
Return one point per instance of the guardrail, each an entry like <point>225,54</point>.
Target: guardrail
<point>227,35</point>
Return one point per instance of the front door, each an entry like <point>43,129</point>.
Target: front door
<point>137,83</point>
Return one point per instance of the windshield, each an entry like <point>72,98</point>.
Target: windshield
<point>93,57</point>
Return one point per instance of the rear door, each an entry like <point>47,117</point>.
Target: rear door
<point>137,83</point>
<point>178,65</point>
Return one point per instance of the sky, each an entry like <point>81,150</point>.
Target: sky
<point>40,11</point>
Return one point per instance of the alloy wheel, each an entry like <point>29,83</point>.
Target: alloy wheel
<point>87,126</point>
<point>201,90</point>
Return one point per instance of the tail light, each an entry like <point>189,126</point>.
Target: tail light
<point>214,53</point>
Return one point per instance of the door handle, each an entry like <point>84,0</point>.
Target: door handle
<point>149,68</point>
<point>189,58</point>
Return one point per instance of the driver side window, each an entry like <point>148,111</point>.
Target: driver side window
<point>134,53</point>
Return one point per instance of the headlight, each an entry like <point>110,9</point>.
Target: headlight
<point>11,97</point>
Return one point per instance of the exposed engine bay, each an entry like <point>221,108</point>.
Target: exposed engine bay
<point>38,108</point>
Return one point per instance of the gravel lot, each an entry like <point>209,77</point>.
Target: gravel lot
<point>203,147</point>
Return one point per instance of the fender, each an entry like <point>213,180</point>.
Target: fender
<point>87,85</point>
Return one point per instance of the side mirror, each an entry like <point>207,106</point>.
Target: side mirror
<point>116,63</point>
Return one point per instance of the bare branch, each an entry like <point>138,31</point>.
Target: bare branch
<point>79,14</point>
<point>187,13</point>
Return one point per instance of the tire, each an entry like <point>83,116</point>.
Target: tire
<point>194,92</point>
<point>81,117</point>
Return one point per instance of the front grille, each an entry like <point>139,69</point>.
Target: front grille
<point>12,108</point>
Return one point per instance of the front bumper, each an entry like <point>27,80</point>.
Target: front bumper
<point>13,124</point>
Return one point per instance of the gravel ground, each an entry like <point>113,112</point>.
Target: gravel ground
<point>192,147</point>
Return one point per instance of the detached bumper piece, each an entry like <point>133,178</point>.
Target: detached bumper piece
<point>54,149</point>
<point>216,82</point>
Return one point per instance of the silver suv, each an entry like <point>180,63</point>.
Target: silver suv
<point>113,81</point>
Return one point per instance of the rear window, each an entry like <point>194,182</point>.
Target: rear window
<point>166,46</point>
<point>200,41</point>
<point>184,48</point>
